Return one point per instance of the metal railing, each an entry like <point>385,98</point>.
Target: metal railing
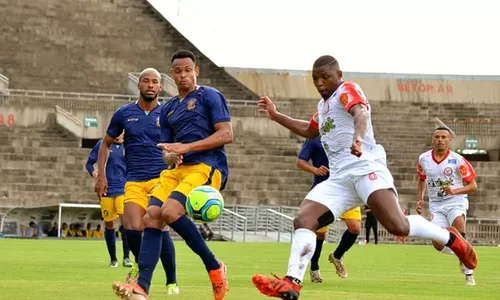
<point>280,223</point>
<point>232,225</point>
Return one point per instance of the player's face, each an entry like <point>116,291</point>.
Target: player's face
<point>441,140</point>
<point>326,80</point>
<point>150,86</point>
<point>184,73</point>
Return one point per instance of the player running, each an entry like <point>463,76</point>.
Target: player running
<point>313,151</point>
<point>140,120</point>
<point>449,178</point>
<point>112,202</point>
<point>358,175</point>
<point>195,126</point>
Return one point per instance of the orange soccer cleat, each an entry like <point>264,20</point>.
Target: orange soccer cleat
<point>277,287</point>
<point>463,249</point>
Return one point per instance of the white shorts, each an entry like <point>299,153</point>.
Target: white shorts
<point>351,187</point>
<point>445,215</point>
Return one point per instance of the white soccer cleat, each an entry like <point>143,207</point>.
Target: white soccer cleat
<point>469,280</point>
<point>113,264</point>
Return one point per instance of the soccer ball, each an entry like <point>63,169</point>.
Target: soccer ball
<point>204,204</point>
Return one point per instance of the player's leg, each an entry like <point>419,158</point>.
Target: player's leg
<point>439,219</point>
<point>377,188</point>
<point>167,257</point>
<point>320,240</point>
<point>151,242</point>
<point>174,214</point>
<point>109,215</point>
<point>327,199</point>
<point>375,230</point>
<point>352,219</point>
<point>134,210</point>
<point>368,226</point>
<point>119,207</point>
<point>457,217</point>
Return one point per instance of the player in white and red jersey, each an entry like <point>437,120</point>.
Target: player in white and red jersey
<point>444,173</point>
<point>358,175</point>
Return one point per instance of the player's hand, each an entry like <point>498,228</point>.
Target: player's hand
<point>420,206</point>
<point>267,107</point>
<point>447,190</point>
<point>101,186</point>
<point>177,148</point>
<point>356,146</point>
<point>171,158</point>
<point>95,174</point>
<point>321,171</point>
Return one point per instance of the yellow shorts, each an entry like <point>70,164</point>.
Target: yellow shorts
<point>178,183</point>
<point>353,214</point>
<point>112,207</point>
<point>139,191</point>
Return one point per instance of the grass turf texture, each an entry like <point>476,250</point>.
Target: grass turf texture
<point>77,269</point>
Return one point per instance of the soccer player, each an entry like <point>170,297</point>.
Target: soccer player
<point>449,177</point>
<point>144,163</point>
<point>195,126</point>
<point>358,175</point>
<point>112,202</point>
<point>370,223</point>
<point>313,151</point>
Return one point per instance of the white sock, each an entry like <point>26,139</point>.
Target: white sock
<point>467,271</point>
<point>303,246</point>
<point>447,250</point>
<point>422,228</point>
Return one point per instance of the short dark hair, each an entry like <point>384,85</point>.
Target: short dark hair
<point>442,128</point>
<point>183,54</point>
<point>325,60</point>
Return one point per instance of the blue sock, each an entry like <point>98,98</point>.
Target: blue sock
<point>109,235</point>
<point>188,231</point>
<point>126,249</point>
<point>134,238</point>
<point>150,254</point>
<point>168,257</point>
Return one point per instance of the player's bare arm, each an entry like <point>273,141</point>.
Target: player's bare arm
<point>467,189</point>
<point>305,166</point>
<point>421,187</point>
<point>101,184</point>
<point>223,135</point>
<point>300,127</point>
<point>361,118</point>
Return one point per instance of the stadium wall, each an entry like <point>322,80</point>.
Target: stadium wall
<point>297,84</point>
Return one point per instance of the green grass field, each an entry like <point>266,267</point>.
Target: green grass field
<point>77,270</point>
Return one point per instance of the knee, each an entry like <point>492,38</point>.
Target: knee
<point>170,212</point>
<point>152,218</point>
<point>303,222</point>
<point>110,225</point>
<point>133,222</point>
<point>354,227</point>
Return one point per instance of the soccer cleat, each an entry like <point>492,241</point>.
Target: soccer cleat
<point>469,280</point>
<point>463,250</point>
<point>219,281</point>
<point>132,274</point>
<point>113,264</point>
<point>127,263</point>
<point>173,289</point>
<point>339,265</point>
<point>277,287</point>
<point>316,276</point>
<point>129,291</point>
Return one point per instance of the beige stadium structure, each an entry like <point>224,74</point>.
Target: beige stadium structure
<point>67,65</point>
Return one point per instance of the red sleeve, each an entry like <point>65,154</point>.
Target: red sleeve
<point>467,171</point>
<point>350,95</point>
<point>314,121</point>
<point>420,172</point>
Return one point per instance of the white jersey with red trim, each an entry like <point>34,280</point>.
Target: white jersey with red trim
<point>452,170</point>
<point>336,127</point>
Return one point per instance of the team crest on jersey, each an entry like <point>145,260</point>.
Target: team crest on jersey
<point>191,104</point>
<point>344,99</point>
<point>448,171</point>
<point>158,121</point>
